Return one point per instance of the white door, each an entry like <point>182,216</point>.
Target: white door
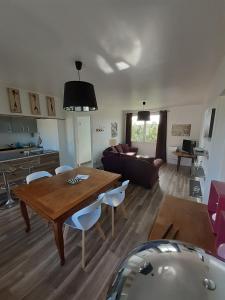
<point>84,139</point>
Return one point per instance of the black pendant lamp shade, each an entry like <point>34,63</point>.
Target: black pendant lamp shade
<point>79,95</point>
<point>143,115</point>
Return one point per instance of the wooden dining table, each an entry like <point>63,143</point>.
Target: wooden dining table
<point>55,200</point>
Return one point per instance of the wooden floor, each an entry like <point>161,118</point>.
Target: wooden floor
<point>29,265</point>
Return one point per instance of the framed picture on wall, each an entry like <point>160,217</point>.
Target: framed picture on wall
<point>34,104</point>
<point>114,129</point>
<point>51,106</point>
<point>14,100</point>
<point>181,130</point>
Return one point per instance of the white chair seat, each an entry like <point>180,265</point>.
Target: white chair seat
<point>37,175</point>
<point>114,198</point>
<point>63,169</point>
<point>84,219</point>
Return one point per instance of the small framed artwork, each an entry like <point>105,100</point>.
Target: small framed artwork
<point>34,104</point>
<point>14,100</point>
<point>181,129</point>
<point>51,106</point>
<point>114,129</point>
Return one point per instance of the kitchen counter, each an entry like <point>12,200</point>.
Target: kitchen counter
<point>10,155</point>
<point>41,160</point>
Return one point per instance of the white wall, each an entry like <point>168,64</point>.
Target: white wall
<point>145,148</point>
<point>25,103</point>
<point>102,120</point>
<point>84,140</point>
<point>12,138</point>
<point>188,114</point>
<point>215,166</point>
<point>48,130</point>
<point>53,137</point>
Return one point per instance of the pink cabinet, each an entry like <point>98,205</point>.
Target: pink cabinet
<point>220,239</point>
<point>216,203</point>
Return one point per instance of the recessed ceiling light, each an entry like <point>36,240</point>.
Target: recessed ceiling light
<point>121,65</point>
<point>104,65</point>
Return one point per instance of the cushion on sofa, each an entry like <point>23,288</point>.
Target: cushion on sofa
<point>114,150</point>
<point>125,148</point>
<point>119,148</point>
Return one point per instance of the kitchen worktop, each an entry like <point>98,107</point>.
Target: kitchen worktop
<point>10,155</point>
<point>39,159</point>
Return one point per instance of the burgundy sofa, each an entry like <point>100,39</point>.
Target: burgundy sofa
<point>140,171</point>
<point>121,148</point>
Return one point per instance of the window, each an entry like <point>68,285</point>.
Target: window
<point>145,131</point>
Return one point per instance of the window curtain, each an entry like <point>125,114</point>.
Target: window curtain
<point>128,128</point>
<point>162,136</point>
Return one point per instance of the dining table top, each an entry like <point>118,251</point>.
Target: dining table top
<point>54,198</point>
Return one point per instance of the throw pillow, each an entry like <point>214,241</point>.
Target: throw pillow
<point>119,148</point>
<point>125,147</point>
<point>114,150</point>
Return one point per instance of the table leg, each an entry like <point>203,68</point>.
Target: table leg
<point>25,215</point>
<point>178,163</point>
<point>58,232</point>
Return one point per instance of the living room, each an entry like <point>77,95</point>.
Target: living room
<point>119,108</point>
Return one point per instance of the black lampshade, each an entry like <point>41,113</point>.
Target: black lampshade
<point>79,96</point>
<point>143,115</point>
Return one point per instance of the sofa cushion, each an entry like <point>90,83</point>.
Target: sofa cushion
<point>158,162</point>
<point>119,148</point>
<point>114,150</point>
<point>129,154</point>
<point>125,148</point>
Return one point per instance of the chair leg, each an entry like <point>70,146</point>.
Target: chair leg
<point>124,210</point>
<point>83,249</point>
<point>65,232</point>
<point>101,232</point>
<point>113,222</point>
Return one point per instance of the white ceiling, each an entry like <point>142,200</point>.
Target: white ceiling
<point>172,48</point>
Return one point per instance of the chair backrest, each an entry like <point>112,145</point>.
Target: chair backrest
<point>37,175</point>
<point>116,196</point>
<point>89,215</point>
<point>63,169</point>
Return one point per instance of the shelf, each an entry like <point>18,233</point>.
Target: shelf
<point>197,171</point>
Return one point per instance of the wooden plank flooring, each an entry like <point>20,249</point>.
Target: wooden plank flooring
<point>29,263</point>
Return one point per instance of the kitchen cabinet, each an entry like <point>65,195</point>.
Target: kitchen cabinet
<point>18,125</point>
<point>46,161</point>
<point>31,125</point>
<point>5,125</point>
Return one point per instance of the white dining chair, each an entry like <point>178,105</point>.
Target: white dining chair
<point>37,175</point>
<point>115,198</point>
<point>83,220</point>
<point>34,176</point>
<point>63,169</point>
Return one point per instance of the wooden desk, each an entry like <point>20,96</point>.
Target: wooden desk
<point>55,200</point>
<point>190,223</point>
<point>181,154</point>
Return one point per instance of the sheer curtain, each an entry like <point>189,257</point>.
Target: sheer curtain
<point>162,136</point>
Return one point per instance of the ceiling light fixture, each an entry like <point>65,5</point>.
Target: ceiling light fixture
<point>121,65</point>
<point>79,95</point>
<point>143,115</point>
